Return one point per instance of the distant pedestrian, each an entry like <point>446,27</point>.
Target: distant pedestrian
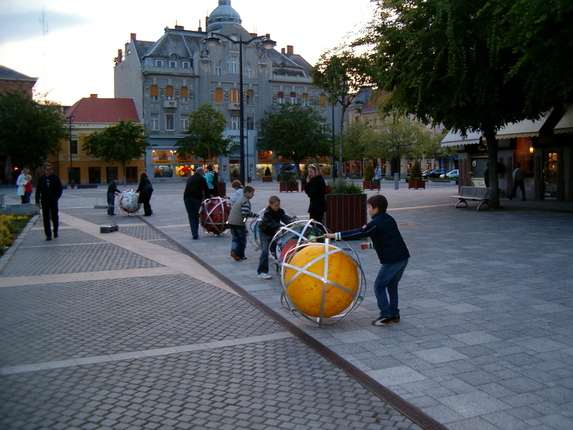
<point>48,193</point>
<point>145,191</point>
<point>377,177</point>
<point>212,178</point>
<point>273,218</point>
<point>24,183</point>
<point>112,191</point>
<point>486,176</point>
<point>315,189</point>
<point>518,181</point>
<point>239,213</point>
<point>196,191</point>
<point>238,187</point>
<point>392,253</point>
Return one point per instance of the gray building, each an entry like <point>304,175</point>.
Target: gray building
<point>173,76</point>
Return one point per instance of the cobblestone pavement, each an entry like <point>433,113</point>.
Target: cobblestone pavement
<point>128,329</point>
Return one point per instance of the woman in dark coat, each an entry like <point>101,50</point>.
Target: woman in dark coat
<point>145,190</point>
<point>315,190</point>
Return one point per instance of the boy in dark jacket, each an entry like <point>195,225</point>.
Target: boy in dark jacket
<point>273,218</point>
<point>392,253</point>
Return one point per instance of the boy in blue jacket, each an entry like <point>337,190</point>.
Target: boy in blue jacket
<point>392,253</point>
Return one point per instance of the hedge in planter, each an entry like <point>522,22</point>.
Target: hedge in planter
<point>345,206</point>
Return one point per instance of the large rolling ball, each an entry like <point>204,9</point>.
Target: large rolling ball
<point>321,280</point>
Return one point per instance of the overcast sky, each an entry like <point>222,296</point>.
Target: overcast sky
<point>70,45</point>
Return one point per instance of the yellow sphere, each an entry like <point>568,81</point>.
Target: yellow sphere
<point>306,291</point>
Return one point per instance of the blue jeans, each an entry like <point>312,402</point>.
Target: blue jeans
<point>193,205</point>
<point>386,288</point>
<point>110,203</point>
<point>239,242</point>
<point>265,245</point>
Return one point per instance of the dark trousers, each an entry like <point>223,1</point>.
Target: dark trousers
<point>521,185</point>
<point>193,205</point>
<point>110,203</point>
<point>50,212</point>
<point>145,199</point>
<point>317,216</point>
<point>239,241</point>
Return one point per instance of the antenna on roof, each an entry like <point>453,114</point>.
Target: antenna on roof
<point>44,33</point>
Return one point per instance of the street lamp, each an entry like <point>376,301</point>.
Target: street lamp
<point>71,170</point>
<point>214,40</point>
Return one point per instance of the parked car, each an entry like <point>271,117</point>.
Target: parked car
<point>454,174</point>
<point>426,173</point>
<point>434,173</point>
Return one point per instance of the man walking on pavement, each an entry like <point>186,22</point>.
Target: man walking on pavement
<point>518,181</point>
<point>48,192</point>
<point>196,190</point>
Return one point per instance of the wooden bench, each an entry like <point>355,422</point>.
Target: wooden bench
<point>479,194</point>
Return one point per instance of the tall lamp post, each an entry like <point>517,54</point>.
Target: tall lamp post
<point>214,40</point>
<point>71,170</point>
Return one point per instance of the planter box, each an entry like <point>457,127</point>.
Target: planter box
<point>417,184</point>
<point>367,185</point>
<point>288,187</point>
<point>222,189</point>
<point>345,211</point>
<point>267,179</point>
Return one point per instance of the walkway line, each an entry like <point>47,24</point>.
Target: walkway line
<point>36,367</point>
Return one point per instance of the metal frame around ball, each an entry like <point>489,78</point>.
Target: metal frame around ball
<point>123,208</point>
<point>253,230</point>
<point>222,227</point>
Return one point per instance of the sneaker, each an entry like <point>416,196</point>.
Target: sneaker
<point>265,276</point>
<point>386,320</point>
<point>235,256</point>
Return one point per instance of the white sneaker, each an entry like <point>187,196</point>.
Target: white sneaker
<point>265,276</point>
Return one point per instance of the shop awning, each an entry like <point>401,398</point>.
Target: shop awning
<point>525,128</point>
<point>454,138</point>
<point>565,125</point>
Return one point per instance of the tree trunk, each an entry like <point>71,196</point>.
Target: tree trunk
<point>492,166</point>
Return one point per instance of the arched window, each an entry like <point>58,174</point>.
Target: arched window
<point>218,95</point>
<point>250,97</point>
<point>232,65</point>
<point>304,101</point>
<point>218,69</point>
<point>248,71</point>
<point>280,97</point>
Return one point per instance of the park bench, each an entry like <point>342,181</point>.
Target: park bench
<point>479,194</point>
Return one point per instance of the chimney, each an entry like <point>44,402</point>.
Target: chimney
<point>179,27</point>
<point>282,51</point>
<point>290,50</point>
<point>119,56</point>
<point>199,29</point>
<point>93,96</point>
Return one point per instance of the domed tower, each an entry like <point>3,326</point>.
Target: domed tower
<point>222,15</point>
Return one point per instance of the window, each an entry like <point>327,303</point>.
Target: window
<point>218,69</point>
<point>322,101</point>
<point>169,122</point>
<point>248,71</point>
<point>154,92</point>
<point>158,63</point>
<point>184,122</point>
<point>235,121</point>
<point>169,92</point>
<point>186,64</point>
<point>73,147</point>
<point>218,95</point>
<point>250,97</point>
<point>234,95</point>
<point>232,66</point>
<point>292,98</point>
<point>154,121</point>
<point>280,97</point>
<point>250,123</point>
<point>184,94</point>
<point>172,64</point>
<point>304,101</point>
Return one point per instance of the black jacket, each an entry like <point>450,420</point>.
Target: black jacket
<point>196,187</point>
<point>48,190</point>
<point>271,221</point>
<point>315,190</point>
<point>386,238</point>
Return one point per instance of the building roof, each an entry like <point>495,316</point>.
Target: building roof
<point>94,109</point>
<point>222,15</point>
<point>8,74</point>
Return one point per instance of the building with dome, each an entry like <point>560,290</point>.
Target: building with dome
<point>171,77</point>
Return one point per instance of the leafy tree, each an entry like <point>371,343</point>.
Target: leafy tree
<point>357,140</point>
<point>30,132</point>
<point>462,64</point>
<point>294,132</point>
<point>119,143</point>
<point>341,76</point>
<point>205,134</point>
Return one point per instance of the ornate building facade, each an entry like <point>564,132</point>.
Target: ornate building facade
<point>171,77</point>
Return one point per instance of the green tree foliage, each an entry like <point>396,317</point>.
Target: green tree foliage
<point>205,134</point>
<point>30,132</point>
<point>294,132</point>
<point>464,64</point>
<point>341,76</point>
<point>416,171</point>
<point>119,143</point>
<point>358,140</point>
<point>369,171</point>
